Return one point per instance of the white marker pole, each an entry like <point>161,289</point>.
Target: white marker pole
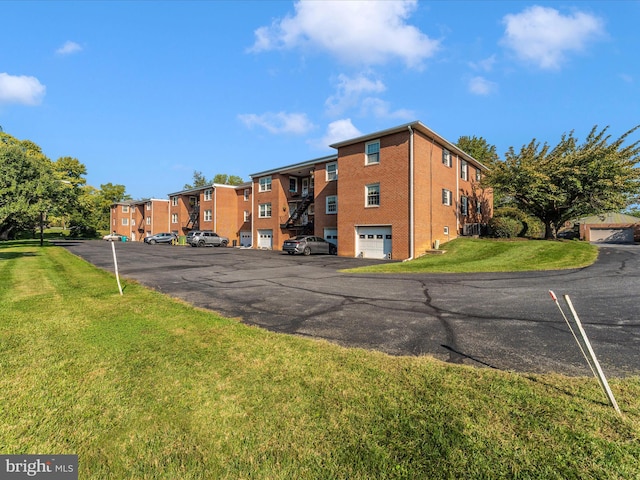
<point>115,263</point>
<point>575,337</point>
<point>600,376</point>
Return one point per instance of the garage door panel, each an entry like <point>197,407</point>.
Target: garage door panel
<point>373,242</point>
<point>611,235</point>
<point>265,239</point>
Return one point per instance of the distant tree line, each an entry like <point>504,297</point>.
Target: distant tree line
<point>36,191</point>
<point>199,180</point>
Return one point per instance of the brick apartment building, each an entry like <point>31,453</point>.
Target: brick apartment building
<point>391,194</point>
<point>223,209</point>
<point>136,219</point>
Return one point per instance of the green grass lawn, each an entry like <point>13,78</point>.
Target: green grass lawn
<point>465,255</point>
<point>146,387</point>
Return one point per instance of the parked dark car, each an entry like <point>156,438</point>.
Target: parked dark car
<point>308,244</point>
<point>206,239</point>
<point>161,238</point>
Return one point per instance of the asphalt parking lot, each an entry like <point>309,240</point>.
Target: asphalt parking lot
<point>505,321</point>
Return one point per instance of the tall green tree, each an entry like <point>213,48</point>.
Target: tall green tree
<point>570,180</point>
<point>224,179</point>
<point>199,180</point>
<point>479,149</point>
<point>30,186</point>
<point>104,198</point>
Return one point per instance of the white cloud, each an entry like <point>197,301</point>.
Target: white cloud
<point>381,109</point>
<point>485,64</point>
<point>336,132</point>
<point>349,91</point>
<point>21,89</point>
<point>355,31</point>
<point>68,48</point>
<point>544,36</point>
<point>280,122</point>
<point>481,86</point>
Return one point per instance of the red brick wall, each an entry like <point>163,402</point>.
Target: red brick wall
<point>323,189</point>
<point>242,205</point>
<point>431,176</point>
<point>392,173</point>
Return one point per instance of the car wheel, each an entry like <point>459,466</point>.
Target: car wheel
<point>152,242</point>
<point>306,251</point>
<point>201,243</point>
<point>333,251</point>
<point>224,244</point>
<point>193,244</point>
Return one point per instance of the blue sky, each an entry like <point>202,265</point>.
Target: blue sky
<point>144,93</point>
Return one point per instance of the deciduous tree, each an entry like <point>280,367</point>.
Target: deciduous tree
<point>570,180</point>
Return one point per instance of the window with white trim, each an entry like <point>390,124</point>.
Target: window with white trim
<point>332,204</point>
<point>464,170</point>
<point>446,230</point>
<point>478,174</point>
<point>332,171</point>
<point>446,157</point>
<point>125,208</point>
<point>174,218</point>
<point>246,216</point>
<point>133,222</point>
<point>207,215</point>
<point>265,184</point>
<point>246,194</point>
<point>372,195</point>
<point>125,221</point>
<point>207,194</point>
<point>446,196</point>
<point>148,205</point>
<point>174,201</point>
<point>464,206</point>
<point>293,184</point>
<point>478,207</point>
<point>148,220</point>
<point>372,152</point>
<point>264,210</point>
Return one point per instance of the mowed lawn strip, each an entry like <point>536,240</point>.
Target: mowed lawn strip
<point>468,255</point>
<point>146,387</point>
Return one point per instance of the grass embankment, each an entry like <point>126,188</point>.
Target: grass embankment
<point>145,387</point>
<point>466,255</point>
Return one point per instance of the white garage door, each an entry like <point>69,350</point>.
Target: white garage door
<point>373,242</point>
<point>331,235</point>
<point>611,235</point>
<point>265,239</point>
<point>245,239</point>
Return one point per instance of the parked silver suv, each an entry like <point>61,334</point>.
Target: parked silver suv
<point>203,238</point>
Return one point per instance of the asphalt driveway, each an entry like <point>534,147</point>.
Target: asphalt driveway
<point>505,321</point>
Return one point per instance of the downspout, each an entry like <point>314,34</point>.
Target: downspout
<point>215,209</point>
<point>457,195</point>
<point>411,198</point>
<point>253,245</point>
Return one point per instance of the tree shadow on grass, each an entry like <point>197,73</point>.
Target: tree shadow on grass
<point>13,255</point>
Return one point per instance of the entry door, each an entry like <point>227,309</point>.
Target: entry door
<point>305,187</point>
